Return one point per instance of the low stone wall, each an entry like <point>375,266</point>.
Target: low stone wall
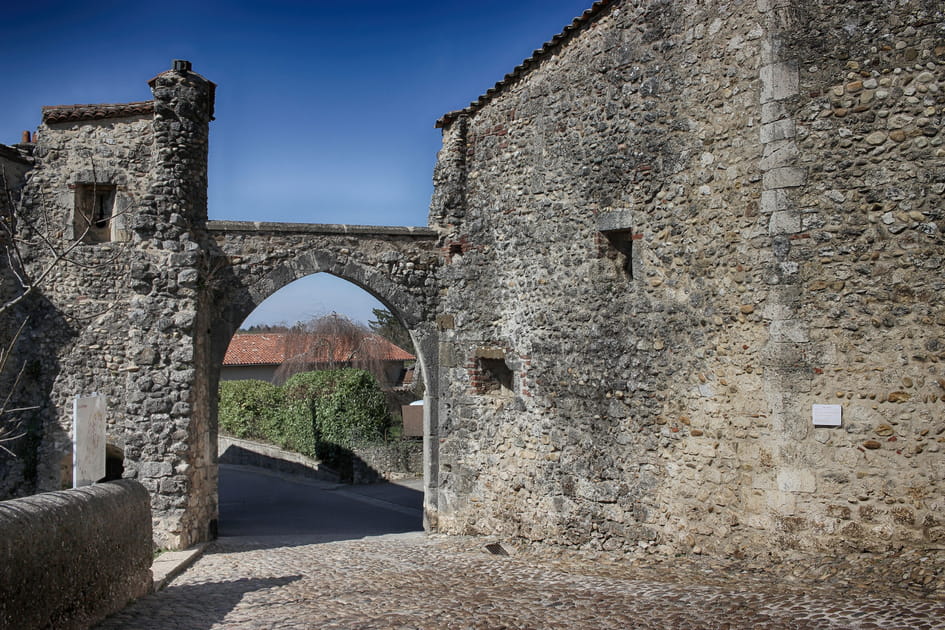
<point>69,558</point>
<point>248,453</point>
<point>396,460</point>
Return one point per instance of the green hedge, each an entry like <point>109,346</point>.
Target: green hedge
<point>319,414</point>
<point>246,406</point>
<point>347,405</point>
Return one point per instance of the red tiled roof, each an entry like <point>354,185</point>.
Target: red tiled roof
<point>569,31</point>
<point>271,349</point>
<point>263,349</point>
<point>72,113</point>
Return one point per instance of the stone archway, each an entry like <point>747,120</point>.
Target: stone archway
<point>243,286</point>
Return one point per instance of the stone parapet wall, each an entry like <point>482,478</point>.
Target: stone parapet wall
<point>394,460</point>
<point>74,556</point>
<point>249,453</point>
<point>666,240</point>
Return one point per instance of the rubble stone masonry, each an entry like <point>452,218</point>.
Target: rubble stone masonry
<point>653,247</point>
<point>141,309</point>
<point>679,226</point>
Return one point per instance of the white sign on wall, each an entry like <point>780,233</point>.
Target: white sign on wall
<point>827,415</point>
<point>88,440</point>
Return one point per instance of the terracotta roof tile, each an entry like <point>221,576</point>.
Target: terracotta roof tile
<point>551,45</point>
<point>271,349</point>
<point>263,349</point>
<point>73,113</point>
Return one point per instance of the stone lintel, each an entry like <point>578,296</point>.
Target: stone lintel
<point>615,220</point>
<point>490,352</point>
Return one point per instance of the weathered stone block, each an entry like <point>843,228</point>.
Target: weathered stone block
<point>796,480</point>
<point>779,81</point>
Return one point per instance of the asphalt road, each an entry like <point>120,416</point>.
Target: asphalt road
<point>258,503</point>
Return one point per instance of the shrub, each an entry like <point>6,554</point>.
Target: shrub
<point>297,432</point>
<point>258,410</point>
<point>319,414</point>
<point>347,405</point>
<point>248,406</point>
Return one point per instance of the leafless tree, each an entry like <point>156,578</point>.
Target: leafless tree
<point>10,425</point>
<point>333,341</point>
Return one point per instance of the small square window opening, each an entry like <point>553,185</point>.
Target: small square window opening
<point>94,205</point>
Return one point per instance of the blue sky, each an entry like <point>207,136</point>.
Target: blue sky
<point>325,110</point>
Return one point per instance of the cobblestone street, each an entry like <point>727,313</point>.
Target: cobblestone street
<point>415,581</point>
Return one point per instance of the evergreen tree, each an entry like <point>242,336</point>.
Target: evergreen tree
<point>389,327</point>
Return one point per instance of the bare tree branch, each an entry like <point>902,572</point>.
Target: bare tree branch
<point>39,232</point>
<point>333,341</point>
<point>5,409</point>
<point>29,237</point>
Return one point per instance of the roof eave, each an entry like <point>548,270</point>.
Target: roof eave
<point>577,25</point>
<point>96,111</point>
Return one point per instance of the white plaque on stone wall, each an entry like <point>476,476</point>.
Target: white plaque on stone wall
<point>88,440</point>
<point>827,415</point>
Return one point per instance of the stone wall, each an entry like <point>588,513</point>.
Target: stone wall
<point>14,164</point>
<point>669,234</point>
<point>401,459</point>
<point>74,339</point>
<point>861,248</point>
<point>72,557</point>
<point>240,452</point>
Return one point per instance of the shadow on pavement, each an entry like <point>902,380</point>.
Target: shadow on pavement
<point>196,606</point>
<point>260,508</point>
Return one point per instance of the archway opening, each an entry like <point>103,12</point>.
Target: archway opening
<point>311,437</point>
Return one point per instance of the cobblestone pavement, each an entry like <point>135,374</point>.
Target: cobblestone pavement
<point>413,581</point>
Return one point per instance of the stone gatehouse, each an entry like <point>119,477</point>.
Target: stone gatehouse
<point>653,248</point>
<point>138,294</point>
